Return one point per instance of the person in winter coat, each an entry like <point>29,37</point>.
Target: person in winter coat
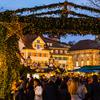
<point>76,89</point>
<point>30,90</point>
<point>38,90</point>
<point>94,89</point>
<point>21,95</point>
<point>50,91</point>
<point>64,94</point>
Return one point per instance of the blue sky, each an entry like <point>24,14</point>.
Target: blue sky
<point>15,4</point>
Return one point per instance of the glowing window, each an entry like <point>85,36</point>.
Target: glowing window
<point>77,64</point>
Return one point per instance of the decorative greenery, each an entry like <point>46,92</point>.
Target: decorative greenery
<point>62,26</point>
<point>10,20</point>
<point>84,24</point>
<point>63,12</point>
<point>9,63</point>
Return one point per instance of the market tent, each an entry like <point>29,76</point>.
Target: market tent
<point>91,67</point>
<point>87,69</point>
<point>83,70</point>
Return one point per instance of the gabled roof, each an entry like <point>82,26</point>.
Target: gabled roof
<point>85,44</point>
<point>28,40</point>
<point>56,44</point>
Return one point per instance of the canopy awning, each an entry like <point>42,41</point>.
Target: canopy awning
<point>87,69</point>
<point>91,67</point>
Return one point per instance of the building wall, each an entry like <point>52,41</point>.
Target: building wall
<point>85,57</point>
<point>38,43</point>
<point>60,56</point>
<point>38,54</point>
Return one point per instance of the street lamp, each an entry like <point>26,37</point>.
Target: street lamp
<point>29,61</point>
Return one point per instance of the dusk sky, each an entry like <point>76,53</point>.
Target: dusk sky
<point>15,4</point>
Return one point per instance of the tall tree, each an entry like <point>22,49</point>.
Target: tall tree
<point>9,60</point>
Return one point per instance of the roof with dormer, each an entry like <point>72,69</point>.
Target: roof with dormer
<point>28,40</point>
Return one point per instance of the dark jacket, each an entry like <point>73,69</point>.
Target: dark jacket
<point>94,91</point>
<point>50,92</point>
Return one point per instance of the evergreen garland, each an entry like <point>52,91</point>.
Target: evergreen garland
<point>9,63</point>
<point>36,22</point>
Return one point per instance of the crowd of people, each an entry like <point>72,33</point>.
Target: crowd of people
<point>57,88</point>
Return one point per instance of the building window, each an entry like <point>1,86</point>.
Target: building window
<point>29,54</point>
<point>56,51</point>
<point>59,58</point>
<point>87,55</point>
<point>40,55</point>
<point>45,55</point>
<point>65,51</point>
<point>61,51</point>
<point>64,58</point>
<point>38,46</point>
<point>76,57</point>
<point>82,55</point>
<point>33,54</point>
<point>36,54</point>
<point>50,44</point>
<point>51,51</point>
<point>88,62</point>
<point>38,41</point>
<point>82,63</point>
<point>77,64</point>
<point>55,58</point>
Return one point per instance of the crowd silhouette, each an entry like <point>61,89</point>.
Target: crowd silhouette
<point>57,88</point>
